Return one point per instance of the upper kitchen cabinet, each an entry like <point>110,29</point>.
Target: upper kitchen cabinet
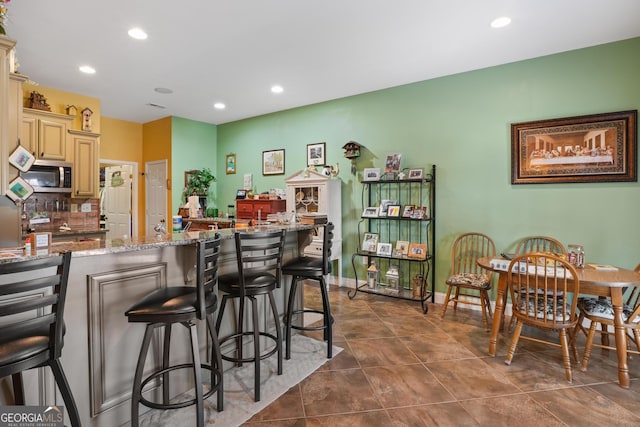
<point>44,134</point>
<point>85,163</point>
<point>6,48</point>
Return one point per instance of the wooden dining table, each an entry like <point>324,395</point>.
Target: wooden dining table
<point>605,283</point>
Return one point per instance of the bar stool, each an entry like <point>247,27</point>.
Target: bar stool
<point>32,317</point>
<point>311,268</point>
<point>183,305</point>
<point>259,256</point>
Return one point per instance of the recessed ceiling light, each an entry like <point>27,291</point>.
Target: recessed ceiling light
<point>277,89</point>
<point>163,90</point>
<point>137,33</point>
<point>503,21</point>
<point>87,69</point>
<point>219,106</point>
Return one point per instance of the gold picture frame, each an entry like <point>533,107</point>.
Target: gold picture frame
<point>592,148</point>
<point>230,164</point>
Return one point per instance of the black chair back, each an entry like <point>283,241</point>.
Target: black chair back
<point>259,254</point>
<point>33,294</point>
<point>207,253</point>
<point>327,242</point>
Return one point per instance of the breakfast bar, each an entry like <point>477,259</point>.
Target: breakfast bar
<point>101,347</point>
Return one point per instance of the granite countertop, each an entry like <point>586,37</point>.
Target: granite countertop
<point>104,247</point>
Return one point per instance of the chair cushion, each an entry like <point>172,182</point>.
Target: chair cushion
<point>469,279</point>
<point>33,342</point>
<point>306,266</point>
<point>255,284</point>
<point>174,300</point>
<point>545,309</point>
<point>603,308</point>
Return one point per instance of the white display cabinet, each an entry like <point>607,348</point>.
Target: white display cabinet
<point>310,192</point>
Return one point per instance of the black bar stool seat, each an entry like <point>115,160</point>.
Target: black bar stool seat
<point>32,318</point>
<point>311,268</point>
<point>182,305</point>
<point>259,257</point>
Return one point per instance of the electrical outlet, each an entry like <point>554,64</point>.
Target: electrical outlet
<point>86,207</point>
<point>74,207</point>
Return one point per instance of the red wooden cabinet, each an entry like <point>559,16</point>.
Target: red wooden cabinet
<point>248,208</point>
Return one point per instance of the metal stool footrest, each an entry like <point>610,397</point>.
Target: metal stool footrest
<point>307,328</point>
<point>262,356</point>
<point>185,403</point>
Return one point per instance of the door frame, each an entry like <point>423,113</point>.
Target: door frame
<point>134,189</point>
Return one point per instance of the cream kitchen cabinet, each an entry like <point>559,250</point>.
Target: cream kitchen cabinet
<point>44,134</point>
<point>85,163</point>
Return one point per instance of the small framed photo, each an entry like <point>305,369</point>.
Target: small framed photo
<point>316,154</point>
<point>370,212</point>
<point>230,163</point>
<point>407,212</point>
<point>384,206</point>
<point>273,162</point>
<point>392,164</point>
<point>393,210</point>
<point>420,212</point>
<point>21,158</point>
<point>371,174</point>
<point>417,251</point>
<point>402,248</point>
<point>417,173</point>
<point>388,176</point>
<point>369,242</point>
<point>19,190</point>
<point>384,249</point>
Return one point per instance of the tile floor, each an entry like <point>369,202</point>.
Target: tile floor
<point>401,367</point>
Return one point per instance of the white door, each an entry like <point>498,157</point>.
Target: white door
<point>156,195</point>
<point>117,201</point>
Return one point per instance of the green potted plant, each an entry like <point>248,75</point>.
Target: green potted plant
<point>198,181</point>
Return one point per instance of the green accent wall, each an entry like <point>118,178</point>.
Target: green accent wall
<point>193,146</point>
<point>462,124</point>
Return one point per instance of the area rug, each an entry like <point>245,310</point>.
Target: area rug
<point>307,355</point>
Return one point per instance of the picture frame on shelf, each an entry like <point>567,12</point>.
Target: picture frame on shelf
<point>402,248</point>
<point>384,249</point>
<point>407,211</point>
<point>370,212</point>
<point>416,173</point>
<point>369,242</point>
<point>591,148</point>
<point>316,154</point>
<point>21,159</point>
<point>384,206</point>
<point>420,212</point>
<point>393,211</point>
<point>230,162</point>
<point>273,162</point>
<point>388,176</point>
<point>371,174</point>
<point>392,163</point>
<point>417,251</point>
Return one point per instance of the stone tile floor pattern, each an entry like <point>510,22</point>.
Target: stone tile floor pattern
<point>401,367</point>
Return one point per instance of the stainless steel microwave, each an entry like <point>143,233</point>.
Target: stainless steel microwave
<point>49,176</point>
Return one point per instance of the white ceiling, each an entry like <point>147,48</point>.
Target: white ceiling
<point>233,51</point>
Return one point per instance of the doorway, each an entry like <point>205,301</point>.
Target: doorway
<point>118,203</point>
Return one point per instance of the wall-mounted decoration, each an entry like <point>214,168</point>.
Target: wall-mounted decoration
<point>21,158</point>
<point>273,162</point>
<point>19,190</point>
<point>593,148</point>
<point>248,181</point>
<point>352,152</point>
<point>230,162</point>
<point>316,154</point>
